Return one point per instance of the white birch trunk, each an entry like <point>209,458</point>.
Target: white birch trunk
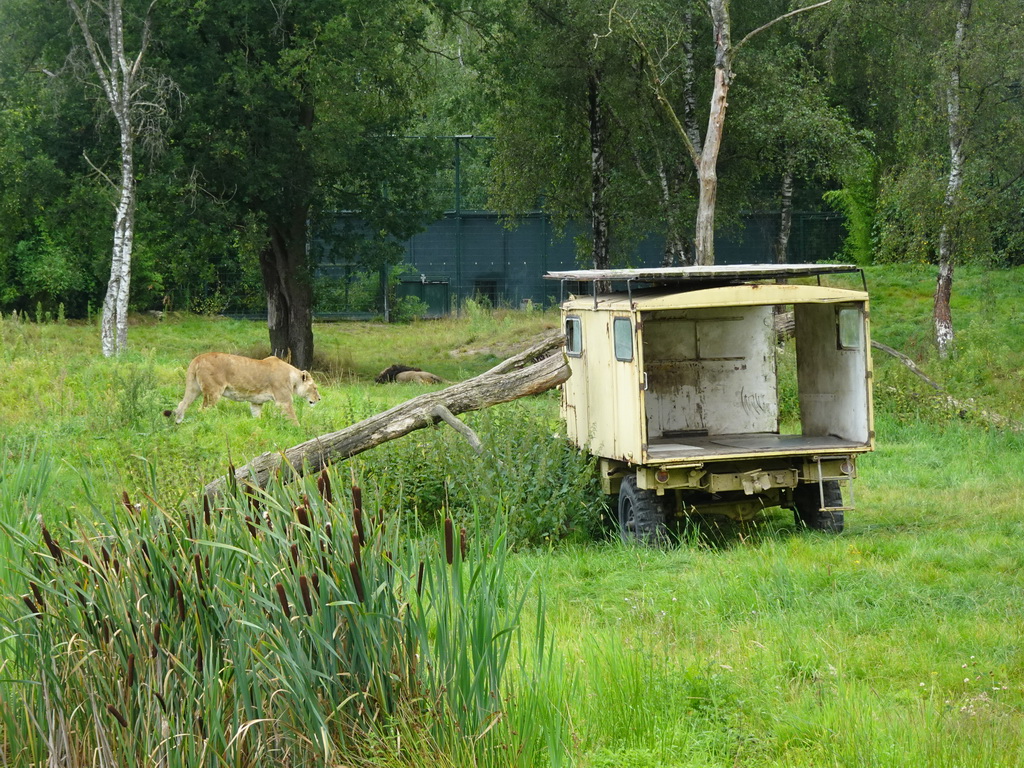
<point>707,165</point>
<point>118,77</point>
<point>942,313</point>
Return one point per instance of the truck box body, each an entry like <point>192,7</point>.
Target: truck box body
<point>676,379</point>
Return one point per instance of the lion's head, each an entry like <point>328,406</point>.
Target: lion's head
<point>306,387</point>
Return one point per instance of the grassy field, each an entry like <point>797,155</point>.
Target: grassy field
<point>896,643</point>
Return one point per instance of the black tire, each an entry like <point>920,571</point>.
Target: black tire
<point>808,511</point>
<point>642,514</point>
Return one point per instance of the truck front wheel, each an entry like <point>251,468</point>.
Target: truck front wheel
<point>642,514</point>
<point>807,506</point>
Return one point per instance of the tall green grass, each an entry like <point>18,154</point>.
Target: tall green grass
<point>894,644</point>
<point>275,627</point>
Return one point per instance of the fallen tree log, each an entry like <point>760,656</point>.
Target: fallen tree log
<point>962,407</point>
<point>537,369</point>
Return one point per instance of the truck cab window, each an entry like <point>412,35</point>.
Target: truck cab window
<point>622,330</point>
<point>573,337</point>
<point>849,328</point>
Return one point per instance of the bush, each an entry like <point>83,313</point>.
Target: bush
<point>527,476</point>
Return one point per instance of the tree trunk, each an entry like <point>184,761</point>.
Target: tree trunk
<point>114,321</point>
<point>707,165</point>
<point>528,373</point>
<point>598,174</point>
<point>785,217</point>
<point>286,280</point>
<point>947,245</point>
<point>119,78</point>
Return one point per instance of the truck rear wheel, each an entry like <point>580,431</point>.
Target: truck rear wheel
<point>642,514</point>
<point>807,506</point>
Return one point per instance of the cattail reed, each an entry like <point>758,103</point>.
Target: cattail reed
<point>254,502</point>
<point>302,513</point>
<point>55,551</point>
<point>357,581</point>
<point>323,484</point>
<point>117,715</point>
<point>199,570</point>
<point>357,515</point>
<point>307,601</point>
<point>284,600</point>
<point>232,481</point>
<point>38,595</point>
<point>462,542</point>
<point>357,541</point>
<point>449,540</point>
<point>129,678</point>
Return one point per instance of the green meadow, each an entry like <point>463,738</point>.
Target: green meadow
<point>477,610</point>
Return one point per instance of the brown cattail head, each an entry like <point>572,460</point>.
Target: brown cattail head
<point>323,484</point>
<point>31,606</point>
<point>357,515</point>
<point>357,496</point>
<point>127,502</point>
<point>129,679</point>
<point>250,525</point>
<point>419,580</point>
<point>55,550</point>
<point>181,604</point>
<point>462,542</point>
<point>302,513</point>
<point>38,595</point>
<point>316,583</point>
<point>284,600</point>
<point>307,601</point>
<point>295,553</point>
<point>357,581</point>
<point>357,550</point>
<point>206,509</point>
<point>117,715</point>
<point>449,540</point>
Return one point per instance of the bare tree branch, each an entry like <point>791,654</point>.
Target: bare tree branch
<point>773,22</point>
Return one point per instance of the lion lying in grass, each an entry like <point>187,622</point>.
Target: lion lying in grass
<point>403,373</point>
<point>216,375</point>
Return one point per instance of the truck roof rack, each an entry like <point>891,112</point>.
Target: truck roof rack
<point>717,273</point>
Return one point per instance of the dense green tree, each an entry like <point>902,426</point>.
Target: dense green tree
<point>293,109</point>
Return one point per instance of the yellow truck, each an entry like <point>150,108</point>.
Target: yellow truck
<point>676,388</point>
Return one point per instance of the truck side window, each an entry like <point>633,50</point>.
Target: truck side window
<point>573,337</point>
<point>622,330</point>
<point>849,326</point>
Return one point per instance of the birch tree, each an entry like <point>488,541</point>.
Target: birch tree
<point>947,247</point>
<point>704,156</point>
<point>121,78</point>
